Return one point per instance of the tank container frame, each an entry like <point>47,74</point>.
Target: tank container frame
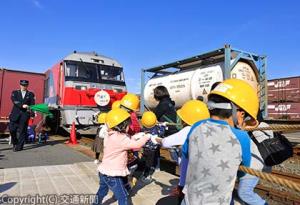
<point>225,54</point>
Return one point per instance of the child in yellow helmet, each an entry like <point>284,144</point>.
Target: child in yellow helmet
<point>113,169</point>
<point>130,102</point>
<point>215,148</point>
<point>151,151</point>
<point>116,104</point>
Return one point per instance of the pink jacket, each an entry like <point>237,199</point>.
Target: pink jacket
<point>116,144</point>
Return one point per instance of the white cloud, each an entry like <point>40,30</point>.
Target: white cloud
<point>37,4</point>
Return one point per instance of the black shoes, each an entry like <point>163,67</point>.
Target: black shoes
<point>16,148</point>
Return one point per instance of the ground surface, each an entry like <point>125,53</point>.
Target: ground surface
<point>59,174</point>
<point>52,153</point>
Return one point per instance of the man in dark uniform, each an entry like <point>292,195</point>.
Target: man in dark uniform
<point>20,114</point>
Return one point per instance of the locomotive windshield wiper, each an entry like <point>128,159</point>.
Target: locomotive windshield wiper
<point>84,64</point>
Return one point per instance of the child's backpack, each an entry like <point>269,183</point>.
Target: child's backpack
<point>274,150</point>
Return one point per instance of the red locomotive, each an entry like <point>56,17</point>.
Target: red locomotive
<point>76,83</point>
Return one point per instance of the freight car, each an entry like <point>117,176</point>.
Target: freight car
<point>284,98</point>
<point>284,90</point>
<point>9,81</point>
<point>76,83</point>
<point>193,77</point>
<point>284,111</point>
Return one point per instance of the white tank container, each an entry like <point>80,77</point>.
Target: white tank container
<point>190,84</point>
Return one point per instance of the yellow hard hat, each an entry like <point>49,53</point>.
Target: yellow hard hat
<point>130,101</point>
<point>102,118</point>
<point>193,111</point>
<point>116,104</point>
<point>240,93</point>
<point>149,119</point>
<point>116,116</point>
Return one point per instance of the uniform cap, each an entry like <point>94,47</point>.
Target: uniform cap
<point>24,82</point>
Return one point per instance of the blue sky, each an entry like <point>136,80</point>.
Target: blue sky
<point>35,34</point>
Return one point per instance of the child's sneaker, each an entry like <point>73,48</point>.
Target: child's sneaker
<point>147,180</point>
<point>133,181</point>
<point>96,161</point>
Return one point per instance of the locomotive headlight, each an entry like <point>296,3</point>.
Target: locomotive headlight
<point>81,87</point>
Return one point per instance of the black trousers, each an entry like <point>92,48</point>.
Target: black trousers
<point>151,157</point>
<point>18,131</point>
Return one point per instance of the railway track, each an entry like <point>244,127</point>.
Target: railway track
<point>86,140</point>
<point>285,122</point>
<point>288,176</point>
<point>279,197</point>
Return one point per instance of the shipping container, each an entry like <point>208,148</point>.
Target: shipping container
<point>193,77</point>
<point>284,90</point>
<point>286,110</point>
<point>9,81</point>
<point>284,95</point>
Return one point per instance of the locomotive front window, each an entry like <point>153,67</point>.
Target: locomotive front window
<point>111,73</point>
<point>80,71</point>
<point>92,72</point>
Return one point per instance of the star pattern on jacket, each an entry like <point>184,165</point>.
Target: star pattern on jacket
<point>198,192</point>
<point>233,141</point>
<point>221,200</point>
<point>211,129</point>
<point>205,172</point>
<point>213,188</point>
<point>194,177</point>
<point>239,157</point>
<point>207,133</point>
<point>199,154</point>
<point>223,165</point>
<point>195,139</point>
<point>215,148</point>
<point>223,127</point>
<point>230,178</point>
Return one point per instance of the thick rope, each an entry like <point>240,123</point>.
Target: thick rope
<point>271,178</point>
<point>275,128</point>
<point>271,127</point>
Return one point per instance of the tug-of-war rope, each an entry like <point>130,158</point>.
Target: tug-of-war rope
<point>271,178</point>
<point>271,127</point>
<point>275,128</point>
